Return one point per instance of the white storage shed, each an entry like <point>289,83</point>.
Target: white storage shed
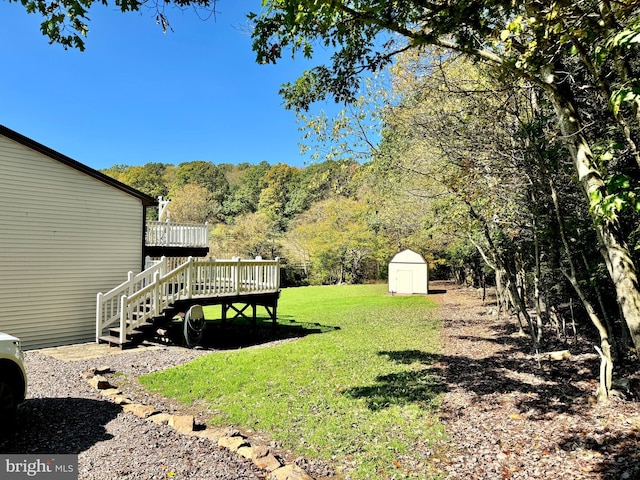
<point>408,274</point>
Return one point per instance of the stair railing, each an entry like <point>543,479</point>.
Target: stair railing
<point>192,279</point>
<point>108,304</point>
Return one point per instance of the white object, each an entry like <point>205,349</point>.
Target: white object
<point>408,274</point>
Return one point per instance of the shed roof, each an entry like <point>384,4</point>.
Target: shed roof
<point>147,200</point>
<point>408,256</point>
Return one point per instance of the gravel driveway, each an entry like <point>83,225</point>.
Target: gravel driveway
<point>63,414</point>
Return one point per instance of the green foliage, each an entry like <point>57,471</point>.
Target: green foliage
<point>625,95</point>
<point>250,235</point>
<point>336,237</point>
<point>358,395</point>
<point>260,206</point>
<point>193,203</point>
<point>245,190</point>
<point>205,174</point>
<point>626,38</point>
<point>618,196</point>
<point>352,30</point>
<point>149,178</point>
<point>65,22</point>
<point>275,195</point>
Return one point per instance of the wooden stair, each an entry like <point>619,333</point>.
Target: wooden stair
<point>135,337</point>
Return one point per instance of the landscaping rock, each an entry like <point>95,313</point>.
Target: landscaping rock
<point>231,432</point>
<point>141,411</point>
<point>160,418</point>
<point>246,452</point>
<point>263,458</point>
<point>182,423</point>
<point>87,374</point>
<point>110,392</point>
<point>232,443</point>
<point>212,434</point>
<point>260,451</point>
<point>121,400</point>
<point>289,472</point>
<point>268,462</point>
<point>99,382</point>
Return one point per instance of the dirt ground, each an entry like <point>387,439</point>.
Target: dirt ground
<point>508,415</point>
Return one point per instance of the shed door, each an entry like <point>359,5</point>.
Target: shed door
<point>404,281</point>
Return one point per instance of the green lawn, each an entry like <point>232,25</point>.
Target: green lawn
<point>358,395</point>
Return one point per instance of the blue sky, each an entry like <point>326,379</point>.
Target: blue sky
<point>136,95</point>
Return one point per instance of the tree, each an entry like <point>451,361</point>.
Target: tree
<point>245,190</point>
<point>336,237</point>
<point>205,174</point>
<point>250,235</point>
<point>192,203</point>
<point>66,21</point>
<point>275,195</point>
<point>149,178</point>
<point>561,47</point>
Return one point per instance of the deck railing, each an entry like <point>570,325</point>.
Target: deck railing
<point>146,295</point>
<point>172,234</point>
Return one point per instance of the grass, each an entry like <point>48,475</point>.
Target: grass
<point>359,395</point>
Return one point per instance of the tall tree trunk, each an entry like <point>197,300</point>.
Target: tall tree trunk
<point>606,370</point>
<point>612,245</point>
<point>511,280</point>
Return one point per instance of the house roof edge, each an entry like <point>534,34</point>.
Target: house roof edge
<point>147,200</point>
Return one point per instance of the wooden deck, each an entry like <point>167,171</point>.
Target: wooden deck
<point>172,239</point>
<point>173,234</point>
<point>155,293</point>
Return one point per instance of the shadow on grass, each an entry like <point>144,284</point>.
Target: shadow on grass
<point>431,374</point>
<point>542,391</point>
<point>415,386</point>
<point>59,425</point>
<point>241,333</point>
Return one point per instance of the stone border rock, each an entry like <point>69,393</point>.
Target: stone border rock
<point>228,438</point>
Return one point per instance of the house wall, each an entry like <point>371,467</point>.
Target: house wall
<point>65,237</point>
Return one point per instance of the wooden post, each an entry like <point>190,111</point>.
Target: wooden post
<point>237,276</point>
<point>123,319</point>
<point>163,265</point>
<point>99,308</point>
<point>130,286</point>
<point>157,297</point>
<point>188,279</point>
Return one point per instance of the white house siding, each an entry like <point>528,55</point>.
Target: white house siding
<point>65,237</point>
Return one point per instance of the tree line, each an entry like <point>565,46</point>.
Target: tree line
<point>323,221</point>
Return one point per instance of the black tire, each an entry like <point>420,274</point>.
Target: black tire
<point>193,328</point>
<point>8,407</point>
